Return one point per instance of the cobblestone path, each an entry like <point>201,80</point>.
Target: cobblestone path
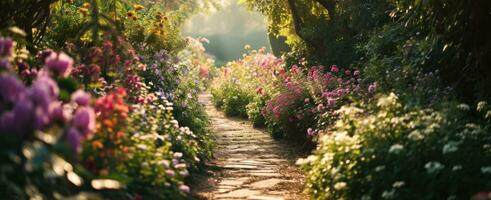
<point>249,163</point>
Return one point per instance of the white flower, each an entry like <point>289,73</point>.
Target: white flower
<point>463,107</point>
<point>456,167</point>
<point>451,146</point>
<point>452,197</point>
<point>415,135</point>
<point>366,197</point>
<point>481,105</point>
<point>379,168</point>
<point>340,185</point>
<point>398,184</point>
<point>396,148</point>
<point>388,194</point>
<point>433,167</point>
<point>486,170</point>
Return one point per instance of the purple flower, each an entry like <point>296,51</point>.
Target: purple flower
<point>42,118</point>
<point>6,121</point>
<point>84,120</point>
<point>311,132</point>
<point>60,63</point>
<point>372,87</point>
<point>184,188</point>
<point>73,138</point>
<point>59,112</point>
<point>11,88</point>
<point>81,98</point>
<point>6,45</point>
<point>23,113</point>
<point>42,55</point>
<point>44,91</point>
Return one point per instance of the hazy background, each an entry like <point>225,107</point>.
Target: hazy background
<point>229,29</point>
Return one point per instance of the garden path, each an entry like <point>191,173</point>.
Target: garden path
<point>248,163</point>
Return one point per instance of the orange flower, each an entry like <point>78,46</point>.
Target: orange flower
<point>96,144</point>
<point>120,134</point>
<point>108,123</point>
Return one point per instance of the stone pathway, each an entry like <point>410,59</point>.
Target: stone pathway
<point>249,163</point>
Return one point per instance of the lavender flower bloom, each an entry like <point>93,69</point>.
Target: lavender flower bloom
<point>73,138</point>
<point>6,45</point>
<point>11,89</point>
<point>23,112</point>
<point>84,120</point>
<point>60,63</point>
<point>6,121</point>
<point>4,63</point>
<point>59,112</point>
<point>42,118</point>
<point>81,98</point>
<point>372,87</point>
<point>44,91</point>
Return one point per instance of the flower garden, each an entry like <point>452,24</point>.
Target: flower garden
<point>390,99</point>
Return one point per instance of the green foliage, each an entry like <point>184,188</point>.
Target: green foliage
<point>234,101</point>
<point>254,109</point>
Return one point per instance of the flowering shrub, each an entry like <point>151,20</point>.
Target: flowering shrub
<point>294,102</point>
<point>386,150</point>
<point>241,81</point>
<point>40,132</point>
<point>308,99</point>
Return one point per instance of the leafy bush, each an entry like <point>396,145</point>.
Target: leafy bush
<point>386,150</point>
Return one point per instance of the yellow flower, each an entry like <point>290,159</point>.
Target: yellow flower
<point>138,7</point>
<point>86,5</point>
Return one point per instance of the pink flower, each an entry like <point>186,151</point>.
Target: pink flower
<point>204,72</point>
<point>170,173</point>
<point>311,132</point>
<point>347,72</point>
<point>334,68</point>
<point>81,97</point>
<point>320,108</point>
<point>331,102</point>
<point>372,87</point>
<point>61,64</point>
<point>184,188</point>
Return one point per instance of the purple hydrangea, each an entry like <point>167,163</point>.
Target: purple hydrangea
<point>61,64</point>
<point>44,91</point>
<point>11,88</point>
<point>6,47</point>
<point>81,97</point>
<point>84,120</point>
<point>73,138</point>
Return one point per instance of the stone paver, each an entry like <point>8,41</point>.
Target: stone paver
<point>253,165</point>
